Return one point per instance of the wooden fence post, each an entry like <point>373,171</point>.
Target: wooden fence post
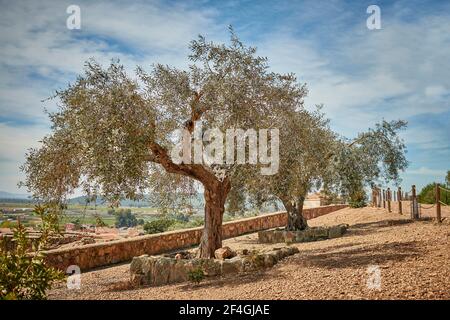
<point>399,197</point>
<point>414,208</point>
<point>384,199</point>
<point>389,199</point>
<point>379,197</point>
<point>438,203</point>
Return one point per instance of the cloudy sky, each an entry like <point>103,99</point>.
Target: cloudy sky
<point>360,75</point>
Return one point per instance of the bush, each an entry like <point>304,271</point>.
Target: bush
<point>196,275</point>
<point>99,221</point>
<point>124,218</point>
<point>158,226</point>
<point>77,223</point>
<point>25,275</point>
<point>428,195</point>
<point>358,199</point>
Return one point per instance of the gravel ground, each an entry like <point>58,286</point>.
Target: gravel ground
<point>413,259</point>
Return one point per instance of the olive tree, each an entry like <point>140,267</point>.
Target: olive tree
<point>375,156</point>
<point>113,132</point>
<point>312,156</point>
<point>305,145</point>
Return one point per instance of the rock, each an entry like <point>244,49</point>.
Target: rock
<point>179,256</point>
<point>161,271</point>
<point>231,266</point>
<point>224,253</point>
<point>269,260</point>
<point>137,279</point>
<point>179,271</point>
<point>289,236</point>
<point>266,236</point>
<point>258,261</point>
<point>248,264</point>
<point>147,264</point>
<point>87,240</point>
<point>274,255</point>
<point>337,231</point>
<point>320,233</point>
<point>136,265</point>
<point>211,267</point>
<point>285,252</point>
<point>280,254</point>
<point>243,252</point>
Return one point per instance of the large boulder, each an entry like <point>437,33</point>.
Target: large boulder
<point>211,267</point>
<point>179,271</point>
<point>269,260</point>
<point>320,233</point>
<point>337,231</point>
<point>161,271</point>
<point>231,266</point>
<point>224,253</point>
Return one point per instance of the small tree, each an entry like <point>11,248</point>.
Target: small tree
<point>23,273</point>
<point>313,156</point>
<point>375,156</point>
<point>124,218</point>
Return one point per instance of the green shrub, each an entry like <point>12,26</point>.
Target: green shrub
<point>196,275</point>
<point>428,195</point>
<point>158,226</point>
<point>124,218</point>
<point>358,199</point>
<point>24,274</point>
<point>77,223</point>
<point>99,221</point>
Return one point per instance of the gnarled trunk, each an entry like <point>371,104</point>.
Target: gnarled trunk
<point>215,197</point>
<point>296,220</point>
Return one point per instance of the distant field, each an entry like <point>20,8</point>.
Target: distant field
<point>85,214</point>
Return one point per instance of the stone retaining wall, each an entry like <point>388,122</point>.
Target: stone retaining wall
<point>157,270</point>
<point>307,235</point>
<point>102,254</point>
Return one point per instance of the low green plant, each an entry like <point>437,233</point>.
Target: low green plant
<point>23,272</point>
<point>196,276</point>
<point>159,225</point>
<point>99,221</point>
<point>358,199</point>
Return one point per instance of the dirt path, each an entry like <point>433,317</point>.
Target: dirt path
<point>413,258</point>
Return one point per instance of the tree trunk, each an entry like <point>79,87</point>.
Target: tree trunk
<point>215,197</point>
<point>296,220</point>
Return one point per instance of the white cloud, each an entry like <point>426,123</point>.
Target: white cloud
<point>427,171</point>
<point>433,91</point>
<point>14,142</point>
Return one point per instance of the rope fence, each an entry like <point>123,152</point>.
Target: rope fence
<point>408,203</point>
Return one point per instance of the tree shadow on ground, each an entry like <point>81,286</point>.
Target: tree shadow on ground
<point>332,258</point>
<point>233,280</point>
<point>329,258</point>
<point>376,226</point>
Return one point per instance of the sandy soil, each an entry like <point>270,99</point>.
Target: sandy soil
<point>413,259</point>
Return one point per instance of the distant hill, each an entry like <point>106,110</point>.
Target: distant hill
<point>197,202</point>
<point>9,195</point>
<point>8,198</point>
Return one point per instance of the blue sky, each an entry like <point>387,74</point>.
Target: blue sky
<point>360,75</point>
